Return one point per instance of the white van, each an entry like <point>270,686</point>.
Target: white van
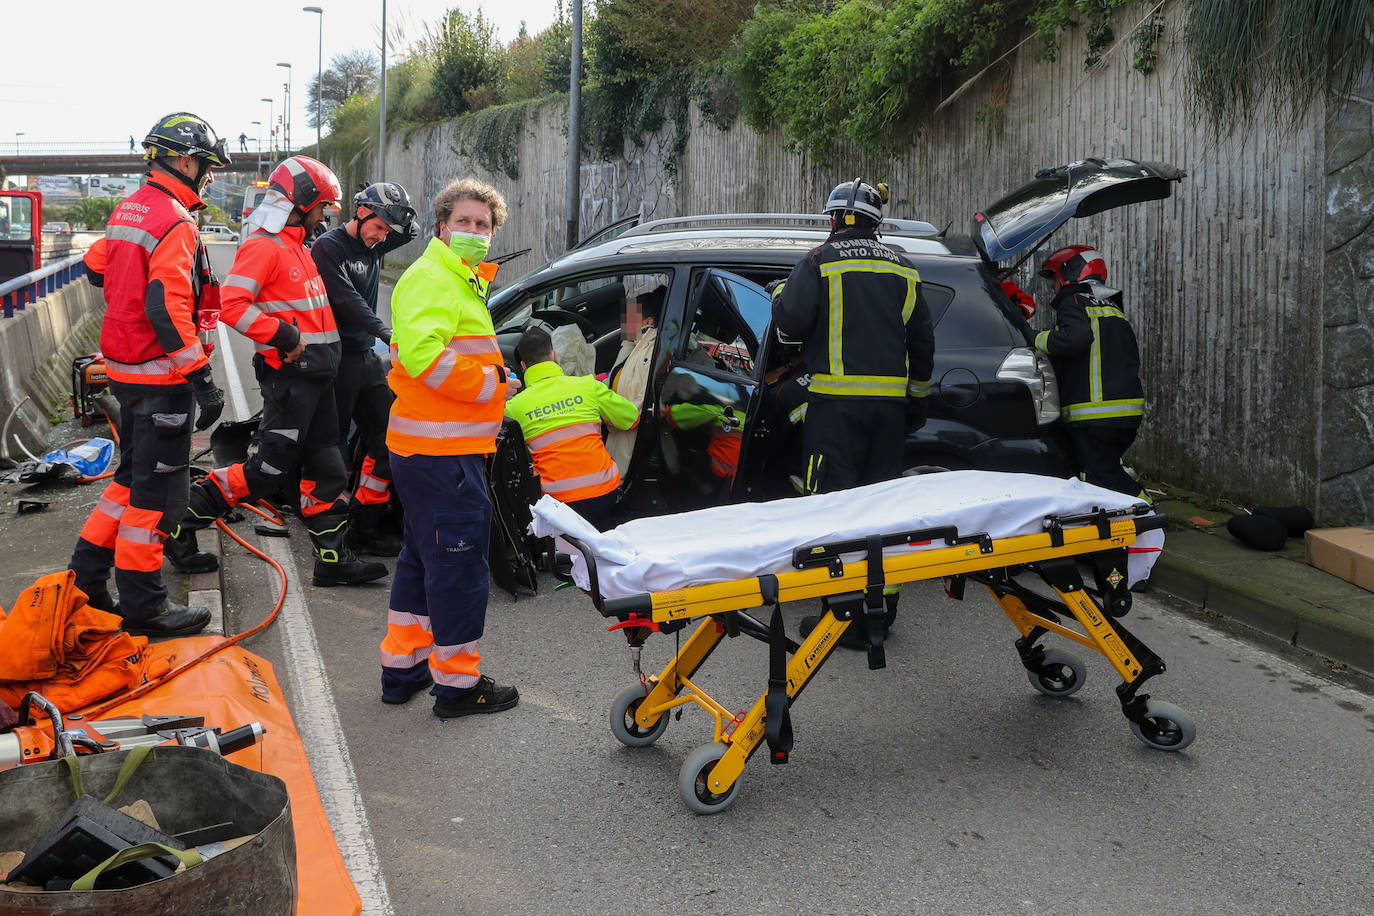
<point>218,232</point>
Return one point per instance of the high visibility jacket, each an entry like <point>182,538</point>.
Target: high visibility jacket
<point>274,295</point>
<point>1093,351</point>
<point>856,308</point>
<point>446,368</point>
<point>154,272</point>
<point>724,440</point>
<point>561,416</point>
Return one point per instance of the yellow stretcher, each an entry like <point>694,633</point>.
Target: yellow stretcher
<point>850,576</point>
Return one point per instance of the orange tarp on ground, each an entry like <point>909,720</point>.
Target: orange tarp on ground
<point>232,688</point>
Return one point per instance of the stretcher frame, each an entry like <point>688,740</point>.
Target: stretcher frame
<point>852,592</point>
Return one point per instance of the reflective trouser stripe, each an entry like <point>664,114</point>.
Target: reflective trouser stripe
<point>455,666</point>
<point>372,490</point>
<point>407,641</point>
<point>102,526</point>
<point>138,546</point>
<point>231,483</point>
<point>1103,410</point>
<point>918,389</point>
<point>310,503</point>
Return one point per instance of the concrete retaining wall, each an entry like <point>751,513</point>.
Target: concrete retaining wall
<point>1227,282</point>
<point>36,350</point>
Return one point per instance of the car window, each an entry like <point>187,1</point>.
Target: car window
<point>730,319</point>
<point>969,318</point>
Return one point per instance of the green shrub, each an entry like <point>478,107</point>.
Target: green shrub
<point>467,55</point>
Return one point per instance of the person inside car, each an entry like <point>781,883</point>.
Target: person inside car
<point>629,375</point>
<point>561,416</point>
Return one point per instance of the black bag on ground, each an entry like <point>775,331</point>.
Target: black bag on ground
<point>1296,520</point>
<point>1258,531</point>
<point>188,789</point>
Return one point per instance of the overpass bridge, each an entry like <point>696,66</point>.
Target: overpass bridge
<point>101,157</point>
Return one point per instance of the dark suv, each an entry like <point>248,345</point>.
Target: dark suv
<point>709,430</point>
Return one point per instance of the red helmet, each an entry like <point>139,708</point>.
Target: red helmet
<point>305,182</point>
<point>1075,264</point>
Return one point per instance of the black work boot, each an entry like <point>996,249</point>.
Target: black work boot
<point>368,530</point>
<point>181,548</point>
<point>204,506</point>
<point>335,562</point>
<point>172,620</point>
<point>487,696</point>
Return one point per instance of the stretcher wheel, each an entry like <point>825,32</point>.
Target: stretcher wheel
<point>1059,674</point>
<point>623,725</point>
<point>1165,726</point>
<point>694,780</point>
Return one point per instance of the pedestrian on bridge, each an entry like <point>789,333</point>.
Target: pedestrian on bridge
<point>349,259</point>
<point>155,276</point>
<point>275,296</point>
<point>451,390</point>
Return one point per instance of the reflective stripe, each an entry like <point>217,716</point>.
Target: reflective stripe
<point>869,266</point>
<point>368,482</point>
<point>1103,410</point>
<point>432,429</point>
<point>444,653</point>
<point>140,237</point>
<point>576,483</point>
<point>188,356</point>
<point>251,313</point>
<point>443,367</point>
<point>309,304</point>
<point>146,536</point>
<point>319,337</point>
<point>837,324</point>
<point>1105,311</point>
<point>475,346</point>
<point>109,507</point>
<point>242,282</point>
<point>562,435</point>
<point>405,661</point>
<point>404,619</point>
<point>488,386</point>
<point>797,415</point>
<point>915,389</point>
<point>1042,341</point>
<point>292,434</point>
<point>159,366</point>
<point>882,386</point>
<point>460,681</point>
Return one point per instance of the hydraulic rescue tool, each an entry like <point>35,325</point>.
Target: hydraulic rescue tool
<point>33,742</point>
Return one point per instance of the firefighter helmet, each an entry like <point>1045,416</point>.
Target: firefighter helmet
<point>1075,264</point>
<point>305,182</point>
<point>857,198</point>
<point>184,134</point>
<point>389,202</point>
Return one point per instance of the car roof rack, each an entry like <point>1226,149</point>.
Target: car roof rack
<point>905,227</point>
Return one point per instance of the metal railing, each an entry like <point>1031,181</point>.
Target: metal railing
<point>68,147</point>
<point>34,285</point>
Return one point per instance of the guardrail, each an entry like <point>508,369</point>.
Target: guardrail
<point>34,285</point>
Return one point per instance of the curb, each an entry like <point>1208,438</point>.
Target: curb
<point>207,589</point>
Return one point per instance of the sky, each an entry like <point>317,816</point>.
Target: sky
<point>106,70</point>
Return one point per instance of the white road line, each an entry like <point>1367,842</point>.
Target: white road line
<point>317,719</point>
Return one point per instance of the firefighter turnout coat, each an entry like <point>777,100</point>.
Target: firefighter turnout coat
<point>855,306</point>
<point>1093,350</point>
<point>561,417</point>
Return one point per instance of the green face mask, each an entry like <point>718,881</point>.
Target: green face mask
<point>471,248</point>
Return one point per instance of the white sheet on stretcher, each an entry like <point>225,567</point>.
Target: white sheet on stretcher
<point>724,543</point>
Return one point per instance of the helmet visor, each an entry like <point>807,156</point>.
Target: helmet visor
<point>396,218</point>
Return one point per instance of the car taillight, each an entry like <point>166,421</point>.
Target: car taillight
<point>1032,368</point>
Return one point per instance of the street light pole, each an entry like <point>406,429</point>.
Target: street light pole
<point>319,86</point>
<point>259,124</point>
<point>574,181</point>
<point>17,135</point>
<point>286,109</point>
<point>271,129</point>
<point>381,127</point>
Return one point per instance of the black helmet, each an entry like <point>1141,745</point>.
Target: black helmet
<point>856,199</point>
<point>389,202</point>
<point>184,134</point>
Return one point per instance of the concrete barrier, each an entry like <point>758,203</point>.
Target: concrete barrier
<point>36,350</point>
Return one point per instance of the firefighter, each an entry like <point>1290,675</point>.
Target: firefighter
<point>275,296</point>
<point>1094,354</point>
<point>349,259</point>
<point>855,306</point>
<point>561,418</point>
<point>451,390</point>
<point>155,276</point>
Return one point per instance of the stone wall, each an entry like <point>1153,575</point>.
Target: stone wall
<point>1255,366</point>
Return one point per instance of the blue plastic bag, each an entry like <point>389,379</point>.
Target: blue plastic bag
<point>91,458</point>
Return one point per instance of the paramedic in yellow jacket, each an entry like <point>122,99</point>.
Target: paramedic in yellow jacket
<point>561,418</point>
<point>451,389</point>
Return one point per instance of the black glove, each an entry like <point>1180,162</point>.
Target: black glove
<point>384,334</point>
<point>915,413</point>
<point>208,397</point>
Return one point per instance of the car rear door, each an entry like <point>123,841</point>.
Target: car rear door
<point>706,396</point>
<point>1020,222</point>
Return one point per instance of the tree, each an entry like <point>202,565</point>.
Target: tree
<point>469,62</point>
<point>348,74</point>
